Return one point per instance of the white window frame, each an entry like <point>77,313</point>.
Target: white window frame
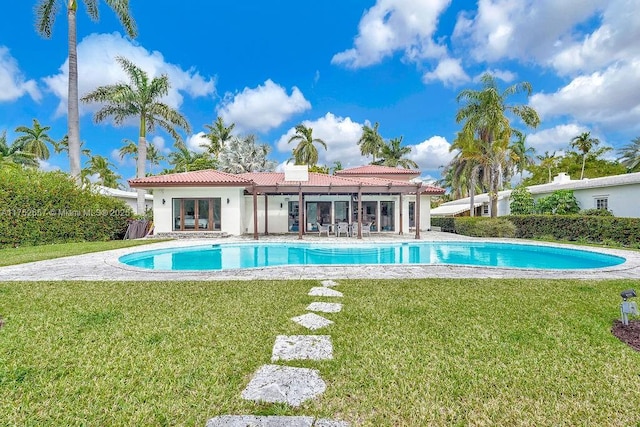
<point>598,199</point>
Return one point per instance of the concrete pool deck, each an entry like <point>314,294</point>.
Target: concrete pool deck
<point>104,266</point>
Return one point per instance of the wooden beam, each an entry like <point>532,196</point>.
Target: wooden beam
<point>266,215</point>
<point>417,213</point>
<point>255,213</point>
<point>300,212</point>
<point>400,233</point>
<point>360,213</point>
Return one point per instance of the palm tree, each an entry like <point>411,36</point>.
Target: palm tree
<point>13,156</point>
<point>630,155</point>
<point>393,155</point>
<point>102,167</point>
<point>185,160</point>
<point>46,11</point>
<point>484,116</point>
<point>371,142</point>
<point>549,162</point>
<point>584,143</point>
<point>35,140</point>
<point>306,152</point>
<point>521,155</point>
<point>466,167</point>
<point>141,98</point>
<point>62,146</point>
<point>242,155</point>
<point>218,136</point>
<point>131,149</point>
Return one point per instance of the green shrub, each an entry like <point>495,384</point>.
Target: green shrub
<point>560,202</point>
<point>47,207</point>
<point>485,227</point>
<point>446,224</point>
<point>521,201</point>
<point>596,212</point>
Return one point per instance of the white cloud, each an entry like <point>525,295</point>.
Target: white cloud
<point>126,160</point>
<point>555,139</point>
<point>609,98</point>
<point>12,81</point>
<point>195,140</point>
<point>160,145</point>
<point>97,67</point>
<point>449,72</point>
<point>432,153</point>
<point>341,136</point>
<point>504,75</point>
<point>395,25</point>
<point>47,167</point>
<point>262,108</point>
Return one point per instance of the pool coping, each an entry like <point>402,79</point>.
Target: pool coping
<point>104,266</point>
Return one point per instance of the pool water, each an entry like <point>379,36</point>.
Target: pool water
<point>255,255</point>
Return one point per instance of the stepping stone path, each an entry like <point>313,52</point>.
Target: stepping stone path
<point>302,347</point>
<point>290,385</point>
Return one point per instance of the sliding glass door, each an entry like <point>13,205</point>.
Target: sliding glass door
<point>197,214</point>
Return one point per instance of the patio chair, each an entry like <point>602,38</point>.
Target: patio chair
<point>323,228</point>
<point>366,229</point>
<point>343,227</point>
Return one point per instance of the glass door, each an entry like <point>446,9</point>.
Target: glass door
<point>294,217</point>
<point>387,216</point>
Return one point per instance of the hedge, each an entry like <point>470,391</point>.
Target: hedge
<point>48,207</point>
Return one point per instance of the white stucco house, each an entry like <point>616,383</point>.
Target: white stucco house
<point>619,193</point>
<point>296,201</point>
<point>129,197</point>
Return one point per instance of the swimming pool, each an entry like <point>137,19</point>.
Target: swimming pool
<point>255,255</point>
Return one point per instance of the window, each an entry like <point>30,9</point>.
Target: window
<point>412,215</point>
<point>294,216</point>
<point>387,216</point>
<point>485,209</point>
<point>602,203</point>
<point>196,214</point>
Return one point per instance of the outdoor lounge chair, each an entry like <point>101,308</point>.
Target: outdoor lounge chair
<point>366,228</point>
<point>343,227</point>
<point>323,228</point>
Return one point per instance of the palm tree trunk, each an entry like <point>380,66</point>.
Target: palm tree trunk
<point>140,172</point>
<point>584,160</point>
<point>472,193</point>
<point>494,190</point>
<point>73,120</point>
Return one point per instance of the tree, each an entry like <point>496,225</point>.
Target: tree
<point>62,146</point>
<point>522,156</point>
<point>35,140</point>
<point>242,155</point>
<point>13,156</point>
<point>218,136</point>
<point>185,160</point>
<point>337,166</point>
<point>484,114</point>
<point>306,152</point>
<point>46,11</point>
<point>584,142</point>
<point>466,169</point>
<point>560,202</point>
<point>131,149</point>
<point>393,155</point>
<point>140,98</point>
<point>371,142</point>
<point>102,167</point>
<point>521,201</point>
<point>549,162</point>
<point>630,155</point>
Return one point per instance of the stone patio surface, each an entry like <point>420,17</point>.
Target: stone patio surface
<point>105,265</point>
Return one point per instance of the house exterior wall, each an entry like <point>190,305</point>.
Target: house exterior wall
<point>620,199</point>
<point>231,215</point>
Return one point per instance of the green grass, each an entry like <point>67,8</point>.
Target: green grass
<point>407,352</point>
<point>20,255</point>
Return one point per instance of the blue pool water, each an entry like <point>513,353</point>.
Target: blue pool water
<point>253,255</point>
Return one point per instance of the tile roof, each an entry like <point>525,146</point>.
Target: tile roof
<point>377,170</point>
<point>202,177</point>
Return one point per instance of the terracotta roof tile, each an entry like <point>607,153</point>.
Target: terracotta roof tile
<point>377,170</point>
<point>202,177</point>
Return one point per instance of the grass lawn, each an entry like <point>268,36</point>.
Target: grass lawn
<point>406,352</point>
<point>22,254</point>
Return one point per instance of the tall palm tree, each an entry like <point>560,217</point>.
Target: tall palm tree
<point>484,114</point>
<point>521,155</point>
<point>466,167</point>
<point>306,152</point>
<point>394,155</point>
<point>242,155</point>
<point>218,136</point>
<point>13,156</point>
<point>34,140</point>
<point>102,167</point>
<point>140,98</point>
<point>371,142</point>
<point>584,142</point>
<point>46,11</point>
<point>185,160</point>
<point>131,149</point>
<point>549,162</point>
<point>630,155</point>
<point>62,146</point>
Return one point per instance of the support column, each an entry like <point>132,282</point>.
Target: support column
<point>359,212</point>
<point>417,213</point>
<point>301,223</point>
<point>255,213</point>
<point>401,217</point>
<point>266,215</point>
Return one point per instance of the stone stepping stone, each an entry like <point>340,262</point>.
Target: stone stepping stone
<point>329,283</point>
<point>271,421</point>
<point>312,321</point>
<point>324,292</point>
<point>284,384</point>
<point>302,347</point>
<point>325,307</point>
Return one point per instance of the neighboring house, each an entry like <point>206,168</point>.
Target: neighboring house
<point>293,201</point>
<point>129,197</point>
<point>619,194</point>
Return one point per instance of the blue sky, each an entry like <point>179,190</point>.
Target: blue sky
<point>335,65</point>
